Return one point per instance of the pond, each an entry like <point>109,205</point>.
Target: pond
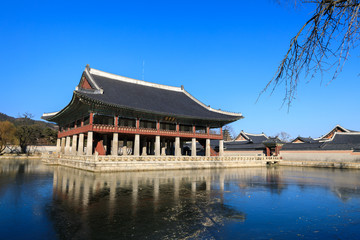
<point>52,202</point>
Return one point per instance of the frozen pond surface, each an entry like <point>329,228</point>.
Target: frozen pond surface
<point>47,202</point>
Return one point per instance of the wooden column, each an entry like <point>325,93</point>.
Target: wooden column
<point>91,119</point>
<point>137,123</point>
<point>268,151</point>
<point>116,121</point>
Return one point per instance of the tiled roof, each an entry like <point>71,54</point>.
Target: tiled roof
<point>340,141</point>
<point>305,140</point>
<point>144,96</point>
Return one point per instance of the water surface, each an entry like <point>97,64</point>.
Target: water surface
<point>49,202</point>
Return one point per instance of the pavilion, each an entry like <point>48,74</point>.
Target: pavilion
<point>115,115</point>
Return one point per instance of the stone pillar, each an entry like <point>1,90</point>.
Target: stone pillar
<point>163,148</point>
<point>221,148</point>
<point>81,144</point>
<point>58,145</point>
<point>157,146</point>
<point>137,145</point>
<point>124,150</point>
<point>207,148</point>
<point>67,145</point>
<point>63,145</point>
<point>177,146</point>
<point>89,145</point>
<point>193,147</point>
<point>115,144</point>
<point>74,145</point>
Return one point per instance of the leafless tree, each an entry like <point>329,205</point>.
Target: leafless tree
<point>283,136</point>
<point>322,43</point>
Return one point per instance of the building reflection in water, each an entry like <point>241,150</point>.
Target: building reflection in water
<point>188,201</point>
<point>175,204</point>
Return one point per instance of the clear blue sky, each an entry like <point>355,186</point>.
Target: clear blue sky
<point>223,52</point>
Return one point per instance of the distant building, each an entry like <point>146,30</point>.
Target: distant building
<point>304,140</point>
<point>338,144</point>
<point>331,133</point>
<point>246,144</point>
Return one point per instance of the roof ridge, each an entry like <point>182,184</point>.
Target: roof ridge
<point>255,134</point>
<point>337,125</point>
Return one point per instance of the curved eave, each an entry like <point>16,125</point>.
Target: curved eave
<point>51,118</point>
<point>232,117</point>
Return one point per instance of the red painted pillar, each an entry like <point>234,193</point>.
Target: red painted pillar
<point>158,126</point>
<point>221,133</point>
<point>116,121</point>
<point>82,122</point>
<point>177,127</point>
<point>208,130</point>
<point>137,123</point>
<point>267,151</point>
<point>91,119</point>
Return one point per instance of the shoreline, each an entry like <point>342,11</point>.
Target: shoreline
<point>151,163</point>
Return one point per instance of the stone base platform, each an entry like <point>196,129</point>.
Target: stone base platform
<point>143,163</point>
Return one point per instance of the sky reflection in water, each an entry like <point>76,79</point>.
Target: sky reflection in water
<point>47,202</point>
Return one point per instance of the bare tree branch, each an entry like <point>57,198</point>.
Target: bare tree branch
<point>329,34</point>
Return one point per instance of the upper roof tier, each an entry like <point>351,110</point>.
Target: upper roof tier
<point>120,92</point>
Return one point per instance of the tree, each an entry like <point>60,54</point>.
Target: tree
<point>49,136</point>
<point>228,133</point>
<point>323,42</point>
<point>7,135</point>
<point>284,136</point>
<point>27,133</point>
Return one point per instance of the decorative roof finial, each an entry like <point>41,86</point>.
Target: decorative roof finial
<point>182,87</point>
<point>87,66</point>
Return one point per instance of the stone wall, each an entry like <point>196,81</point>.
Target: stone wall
<point>244,153</point>
<point>324,156</point>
